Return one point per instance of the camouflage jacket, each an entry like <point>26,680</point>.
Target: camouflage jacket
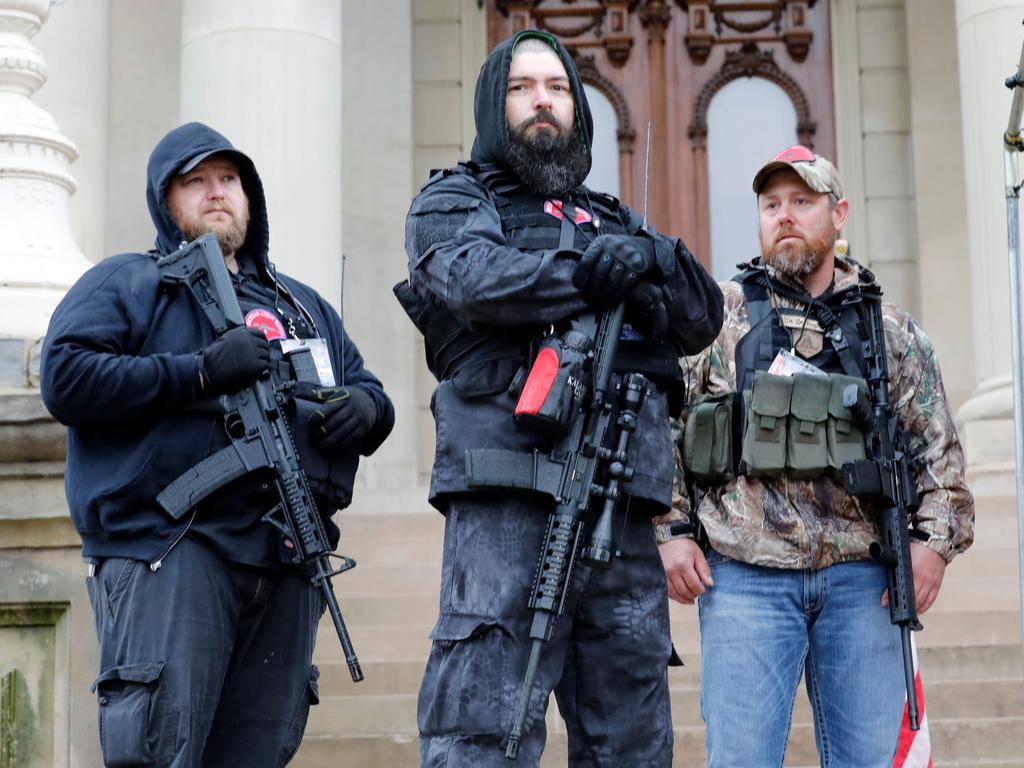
<point>781,522</point>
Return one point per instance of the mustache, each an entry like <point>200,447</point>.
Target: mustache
<point>222,206</point>
<point>543,116</point>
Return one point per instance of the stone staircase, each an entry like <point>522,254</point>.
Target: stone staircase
<point>970,650</point>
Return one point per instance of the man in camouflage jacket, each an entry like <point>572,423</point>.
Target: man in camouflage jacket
<point>785,581</point>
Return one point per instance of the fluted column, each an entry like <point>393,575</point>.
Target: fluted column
<point>989,35</point>
<point>39,259</point>
<point>267,75</point>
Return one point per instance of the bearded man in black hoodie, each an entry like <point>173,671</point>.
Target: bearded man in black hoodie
<point>206,635</point>
<point>501,249</point>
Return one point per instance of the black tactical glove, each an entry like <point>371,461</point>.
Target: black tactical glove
<point>611,267</point>
<point>233,360</point>
<point>645,309</point>
<point>346,416</point>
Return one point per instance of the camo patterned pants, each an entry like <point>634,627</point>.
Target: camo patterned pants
<point>607,661</point>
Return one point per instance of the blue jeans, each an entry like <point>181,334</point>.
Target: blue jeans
<point>761,628</point>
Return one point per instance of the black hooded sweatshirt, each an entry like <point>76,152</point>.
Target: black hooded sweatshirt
<point>119,369</point>
<point>492,141</point>
<point>460,255</point>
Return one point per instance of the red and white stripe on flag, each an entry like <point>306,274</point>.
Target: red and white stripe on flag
<point>915,747</point>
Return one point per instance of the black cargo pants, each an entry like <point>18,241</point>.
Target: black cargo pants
<point>607,662</point>
<point>202,663</point>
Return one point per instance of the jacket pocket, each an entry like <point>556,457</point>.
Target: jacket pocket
<point>463,688</point>
<point>125,697</point>
<point>438,219</point>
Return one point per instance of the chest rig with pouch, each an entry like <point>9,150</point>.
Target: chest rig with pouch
<point>793,425</point>
<point>489,361</point>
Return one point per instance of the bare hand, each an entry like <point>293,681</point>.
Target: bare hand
<point>686,570</point>
<point>928,568</point>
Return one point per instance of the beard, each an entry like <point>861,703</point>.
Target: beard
<point>798,259</point>
<point>550,163</point>
<point>230,235</point>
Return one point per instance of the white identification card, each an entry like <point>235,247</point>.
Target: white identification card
<point>321,357</point>
<point>786,364</point>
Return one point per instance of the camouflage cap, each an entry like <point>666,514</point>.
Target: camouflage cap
<point>816,171</point>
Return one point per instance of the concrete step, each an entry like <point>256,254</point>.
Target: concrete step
<point>998,593</point>
<point>979,662</point>
<point>408,642</point>
<point>422,524</point>
<point>374,643</point>
<point>394,611</point>
<point>395,713</point>
<point>370,579</point>
<point>977,743</point>
<point>399,552</point>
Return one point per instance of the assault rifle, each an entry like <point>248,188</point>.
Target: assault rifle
<point>885,479</point>
<point>260,437</point>
<point>578,468</point>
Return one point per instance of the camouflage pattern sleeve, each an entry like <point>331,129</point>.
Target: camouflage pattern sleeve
<point>946,511</point>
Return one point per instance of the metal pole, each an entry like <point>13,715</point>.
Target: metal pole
<point>1013,144</point>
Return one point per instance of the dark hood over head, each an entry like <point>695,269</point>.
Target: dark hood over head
<point>491,143</point>
<point>194,142</point>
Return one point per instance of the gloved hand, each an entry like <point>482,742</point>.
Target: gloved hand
<point>611,267</point>
<point>645,309</point>
<point>346,416</point>
<point>233,360</point>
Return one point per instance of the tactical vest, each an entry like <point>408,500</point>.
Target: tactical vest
<point>485,363</point>
<point>795,425</point>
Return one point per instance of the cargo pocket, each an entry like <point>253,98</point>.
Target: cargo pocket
<point>764,436</point>
<point>463,689</point>
<point>310,696</point>
<point>845,438</point>
<point>808,416</point>
<point>707,439</point>
<point>125,697</point>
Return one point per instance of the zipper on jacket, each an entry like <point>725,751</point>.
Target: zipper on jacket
<point>156,564</point>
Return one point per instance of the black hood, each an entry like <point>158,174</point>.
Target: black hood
<point>193,142</point>
<point>491,143</point>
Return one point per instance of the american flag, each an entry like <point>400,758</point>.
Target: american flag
<point>915,747</point>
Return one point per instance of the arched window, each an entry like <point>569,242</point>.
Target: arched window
<point>749,120</point>
<point>604,173</point>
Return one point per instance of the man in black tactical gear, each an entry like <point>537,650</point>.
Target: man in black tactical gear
<point>206,635</point>
<point>501,249</point>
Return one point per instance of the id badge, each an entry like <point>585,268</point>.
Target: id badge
<point>786,364</point>
<point>317,348</point>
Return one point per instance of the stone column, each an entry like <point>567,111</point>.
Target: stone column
<point>42,599</point>
<point>266,74</point>
<point>39,259</point>
<point>989,35</point>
